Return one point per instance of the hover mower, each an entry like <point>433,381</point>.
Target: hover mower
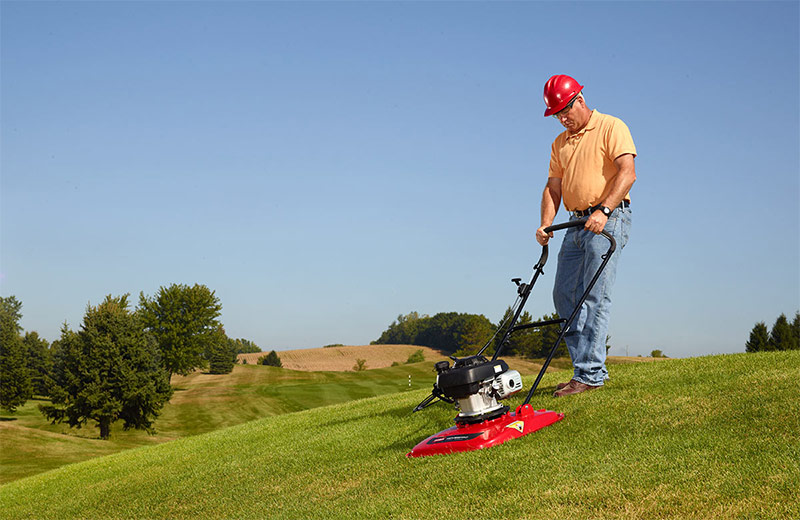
<point>475,384</point>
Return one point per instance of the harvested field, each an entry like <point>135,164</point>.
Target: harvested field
<point>342,359</point>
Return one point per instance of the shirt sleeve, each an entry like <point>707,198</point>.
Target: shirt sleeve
<point>619,140</point>
<point>556,170</point>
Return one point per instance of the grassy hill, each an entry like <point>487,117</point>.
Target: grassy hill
<point>712,437</point>
<point>203,403</point>
<point>341,358</point>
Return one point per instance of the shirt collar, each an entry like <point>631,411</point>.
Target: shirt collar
<point>589,126</point>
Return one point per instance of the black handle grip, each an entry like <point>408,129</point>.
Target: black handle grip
<point>564,225</point>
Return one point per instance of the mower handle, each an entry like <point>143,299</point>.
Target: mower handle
<point>565,225</point>
<point>557,227</point>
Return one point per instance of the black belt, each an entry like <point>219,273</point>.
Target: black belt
<point>587,212</point>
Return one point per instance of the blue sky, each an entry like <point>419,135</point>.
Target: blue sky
<point>325,167</point>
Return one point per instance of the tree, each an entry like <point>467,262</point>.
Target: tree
<point>549,335</point>
<point>38,360</point>
<point>360,366</point>
<point>526,342</point>
<point>272,359</point>
<point>108,371</point>
<point>759,338</point>
<point>404,330</point>
<point>182,319</point>
<point>16,388</point>
<point>222,354</point>
<point>244,346</point>
<point>781,337</point>
<point>796,330</point>
<point>452,332</point>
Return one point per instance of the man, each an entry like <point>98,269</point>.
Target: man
<point>592,170</point>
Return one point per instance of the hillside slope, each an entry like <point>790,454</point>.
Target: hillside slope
<point>712,437</point>
<point>342,358</point>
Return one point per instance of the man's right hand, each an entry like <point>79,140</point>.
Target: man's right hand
<point>542,237</point>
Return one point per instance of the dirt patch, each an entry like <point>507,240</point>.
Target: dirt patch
<point>342,359</point>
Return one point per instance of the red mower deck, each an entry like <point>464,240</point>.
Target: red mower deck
<point>469,437</point>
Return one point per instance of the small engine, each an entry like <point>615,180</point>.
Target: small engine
<point>476,384</point>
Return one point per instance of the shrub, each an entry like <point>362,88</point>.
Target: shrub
<point>272,359</point>
<point>361,365</point>
<point>416,357</point>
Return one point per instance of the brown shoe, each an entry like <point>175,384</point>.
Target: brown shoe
<point>559,386</point>
<point>573,387</point>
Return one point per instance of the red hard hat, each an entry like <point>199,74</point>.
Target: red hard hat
<point>558,91</point>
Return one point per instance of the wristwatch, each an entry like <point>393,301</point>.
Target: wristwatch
<point>606,211</point>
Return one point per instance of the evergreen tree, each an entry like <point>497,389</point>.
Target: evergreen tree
<point>781,336</point>
<point>15,380</point>
<point>796,330</point>
<point>108,371</point>
<point>222,355</point>
<point>272,359</point>
<point>39,361</point>
<point>549,337</point>
<point>520,343</point>
<point>183,320</point>
<point>759,338</point>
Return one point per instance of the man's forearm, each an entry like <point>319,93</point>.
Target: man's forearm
<point>551,199</point>
<point>622,182</point>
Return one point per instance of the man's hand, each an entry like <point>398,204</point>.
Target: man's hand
<point>595,223</point>
<point>542,237</point>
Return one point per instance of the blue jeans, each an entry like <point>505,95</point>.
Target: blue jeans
<point>578,260</point>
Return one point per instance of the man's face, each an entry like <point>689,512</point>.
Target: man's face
<point>574,116</point>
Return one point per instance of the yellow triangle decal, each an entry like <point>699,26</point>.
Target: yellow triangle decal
<point>517,425</point>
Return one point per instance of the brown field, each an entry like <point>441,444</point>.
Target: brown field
<point>342,359</point>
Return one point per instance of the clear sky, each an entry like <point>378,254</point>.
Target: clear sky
<point>325,167</point>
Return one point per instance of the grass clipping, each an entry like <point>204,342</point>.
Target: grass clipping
<point>712,437</point>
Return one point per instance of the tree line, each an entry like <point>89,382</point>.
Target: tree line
<point>464,334</point>
<point>782,336</point>
<point>118,365</point>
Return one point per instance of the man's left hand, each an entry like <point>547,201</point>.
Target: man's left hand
<point>596,222</point>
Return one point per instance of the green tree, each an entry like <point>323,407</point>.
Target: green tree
<point>272,359</point>
<point>522,342</point>
<point>222,354</point>
<point>244,346</point>
<point>759,338</point>
<point>781,337</point>
<point>183,320</point>
<point>360,366</point>
<point>108,371</point>
<point>404,330</point>
<point>549,335</point>
<point>38,360</point>
<point>16,387</point>
<point>796,330</point>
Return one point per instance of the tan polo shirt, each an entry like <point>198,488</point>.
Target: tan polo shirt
<point>585,161</point>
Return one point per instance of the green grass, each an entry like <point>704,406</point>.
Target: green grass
<point>712,437</point>
<point>202,403</point>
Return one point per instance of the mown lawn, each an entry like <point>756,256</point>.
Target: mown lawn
<point>712,437</point>
<point>202,403</point>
